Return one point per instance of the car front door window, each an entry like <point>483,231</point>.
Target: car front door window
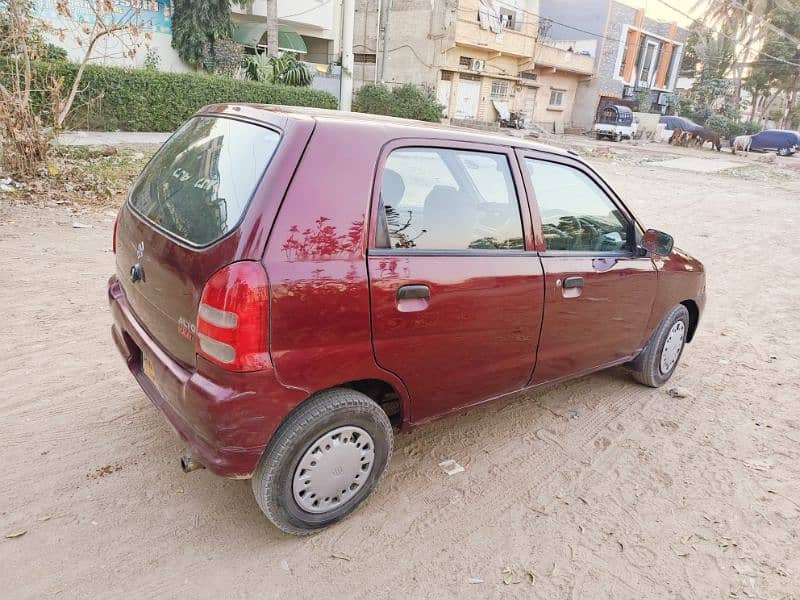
<point>576,214</point>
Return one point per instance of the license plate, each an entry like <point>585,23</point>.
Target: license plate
<point>147,367</point>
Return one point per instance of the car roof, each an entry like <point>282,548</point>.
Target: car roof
<point>404,127</point>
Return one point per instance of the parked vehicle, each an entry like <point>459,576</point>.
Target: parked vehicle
<point>673,122</point>
<point>782,141</point>
<point>285,304</point>
<point>616,122</point>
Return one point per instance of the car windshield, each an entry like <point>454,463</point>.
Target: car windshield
<point>198,185</point>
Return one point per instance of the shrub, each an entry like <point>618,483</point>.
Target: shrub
<point>750,128</point>
<point>724,126</point>
<point>404,101</point>
<point>145,100</point>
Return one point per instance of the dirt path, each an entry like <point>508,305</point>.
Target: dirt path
<point>597,488</point>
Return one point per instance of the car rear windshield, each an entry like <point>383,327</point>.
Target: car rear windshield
<point>198,185</point>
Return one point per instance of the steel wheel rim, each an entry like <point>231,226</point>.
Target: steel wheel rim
<point>672,347</point>
<point>332,470</point>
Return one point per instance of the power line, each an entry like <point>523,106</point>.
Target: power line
<point>760,52</point>
<point>769,25</point>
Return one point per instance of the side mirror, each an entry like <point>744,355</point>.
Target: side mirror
<point>657,242</point>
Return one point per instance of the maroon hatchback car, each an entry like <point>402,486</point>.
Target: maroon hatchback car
<point>293,283</point>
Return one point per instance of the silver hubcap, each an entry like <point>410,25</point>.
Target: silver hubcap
<point>672,347</point>
<point>333,469</point>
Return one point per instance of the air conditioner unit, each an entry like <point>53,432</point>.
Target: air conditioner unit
<point>477,64</point>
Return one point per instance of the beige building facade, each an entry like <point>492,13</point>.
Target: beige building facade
<point>477,55</point>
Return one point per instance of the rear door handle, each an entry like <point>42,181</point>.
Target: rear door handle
<point>414,292</point>
<point>572,282</point>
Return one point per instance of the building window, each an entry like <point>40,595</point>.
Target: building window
<point>364,59</point>
<point>465,61</point>
<point>510,20</point>
<point>529,75</point>
<point>499,89</point>
<point>557,97</point>
<point>447,75</point>
<point>647,67</point>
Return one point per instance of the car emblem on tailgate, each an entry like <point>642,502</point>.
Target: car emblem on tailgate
<point>140,250</point>
<point>137,273</point>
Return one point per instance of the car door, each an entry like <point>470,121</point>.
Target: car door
<point>598,290</point>
<point>456,286</point>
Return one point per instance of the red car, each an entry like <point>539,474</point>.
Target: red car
<point>292,284</point>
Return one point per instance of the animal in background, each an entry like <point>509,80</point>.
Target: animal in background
<point>741,142</point>
<point>706,135</point>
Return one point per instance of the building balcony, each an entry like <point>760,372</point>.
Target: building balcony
<point>563,60</point>
<point>514,35</point>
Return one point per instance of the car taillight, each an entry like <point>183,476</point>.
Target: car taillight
<point>233,318</point>
<point>114,234</point>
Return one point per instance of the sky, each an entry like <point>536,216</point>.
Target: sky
<point>590,15</point>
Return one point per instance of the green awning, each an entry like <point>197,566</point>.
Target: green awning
<point>252,34</point>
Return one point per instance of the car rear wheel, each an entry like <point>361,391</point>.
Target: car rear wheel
<point>657,362</point>
<point>324,460</point>
<point>783,152</point>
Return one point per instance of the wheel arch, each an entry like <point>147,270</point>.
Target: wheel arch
<point>694,317</point>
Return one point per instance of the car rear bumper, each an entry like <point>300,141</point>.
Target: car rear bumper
<point>225,418</point>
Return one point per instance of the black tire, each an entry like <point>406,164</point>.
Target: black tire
<point>783,152</point>
<point>646,368</point>
<point>599,136</point>
<point>617,137</point>
<point>324,412</point>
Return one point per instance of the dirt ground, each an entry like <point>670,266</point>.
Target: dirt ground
<point>598,488</point>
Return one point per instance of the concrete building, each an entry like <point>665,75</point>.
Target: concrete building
<point>637,62</point>
<point>477,55</point>
<point>309,28</point>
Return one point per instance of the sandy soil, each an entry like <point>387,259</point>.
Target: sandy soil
<point>599,488</point>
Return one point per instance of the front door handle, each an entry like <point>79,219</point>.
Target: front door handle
<point>572,282</point>
<point>414,292</point>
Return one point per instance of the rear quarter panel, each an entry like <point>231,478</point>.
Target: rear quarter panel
<point>320,329</point>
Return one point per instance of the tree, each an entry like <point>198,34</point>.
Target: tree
<point>23,144</point>
<point>772,75</point>
<point>97,20</point>
<point>272,27</point>
<point>742,22</point>
<point>196,23</point>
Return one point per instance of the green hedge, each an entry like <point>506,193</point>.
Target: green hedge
<point>405,101</point>
<point>112,98</point>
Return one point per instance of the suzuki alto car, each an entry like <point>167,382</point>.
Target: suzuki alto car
<point>291,284</point>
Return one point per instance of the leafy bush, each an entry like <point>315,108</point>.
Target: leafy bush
<point>286,69</point>
<point>53,52</point>
<point>724,126</point>
<point>145,100</point>
<point>405,101</point>
<point>750,128</point>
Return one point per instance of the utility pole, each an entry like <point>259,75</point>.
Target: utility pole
<point>386,13</point>
<point>348,20</point>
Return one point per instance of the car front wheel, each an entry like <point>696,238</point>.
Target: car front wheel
<point>324,460</point>
<point>783,152</point>
<point>657,362</point>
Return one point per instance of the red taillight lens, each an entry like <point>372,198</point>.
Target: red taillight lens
<point>114,235</point>
<point>233,318</point>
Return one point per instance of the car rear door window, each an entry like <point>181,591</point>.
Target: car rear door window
<point>198,185</point>
<point>576,214</point>
<point>448,199</point>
